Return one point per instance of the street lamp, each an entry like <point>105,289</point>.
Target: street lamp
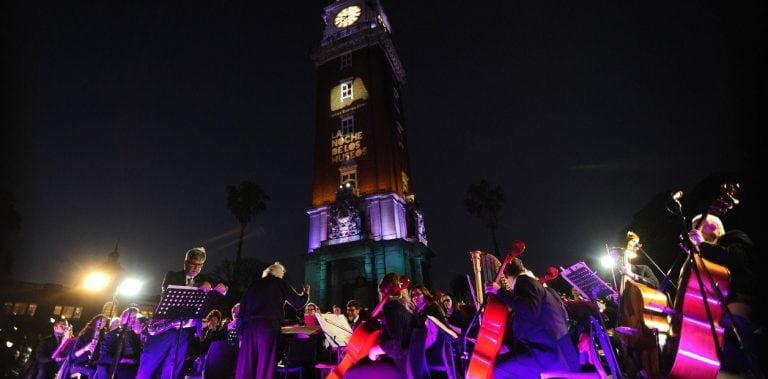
<point>96,281</point>
<point>129,287</point>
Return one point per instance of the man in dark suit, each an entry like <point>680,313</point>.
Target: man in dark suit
<point>46,364</point>
<point>353,313</point>
<point>159,357</point>
<point>539,328</point>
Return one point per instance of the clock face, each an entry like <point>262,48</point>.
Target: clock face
<point>347,16</point>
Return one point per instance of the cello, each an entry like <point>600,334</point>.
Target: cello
<point>698,335</point>
<point>366,335</point>
<point>491,332</point>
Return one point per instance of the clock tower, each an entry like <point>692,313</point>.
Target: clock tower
<point>364,220</point>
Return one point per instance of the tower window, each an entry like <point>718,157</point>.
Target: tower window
<point>345,61</point>
<point>346,90</point>
<point>348,124</point>
<point>349,178</point>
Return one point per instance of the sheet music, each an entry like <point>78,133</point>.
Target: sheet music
<point>336,328</point>
<point>587,282</point>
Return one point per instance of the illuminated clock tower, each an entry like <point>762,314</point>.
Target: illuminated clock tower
<point>364,221</point>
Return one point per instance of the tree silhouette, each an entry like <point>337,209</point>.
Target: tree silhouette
<point>245,202</point>
<point>485,202</point>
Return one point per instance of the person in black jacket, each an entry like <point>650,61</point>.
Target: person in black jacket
<point>45,365</point>
<point>120,350</point>
<point>160,357</point>
<point>85,353</point>
<point>734,249</point>
<point>261,313</point>
<point>539,328</point>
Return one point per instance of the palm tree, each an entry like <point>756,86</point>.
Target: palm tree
<point>245,202</point>
<point>485,202</point>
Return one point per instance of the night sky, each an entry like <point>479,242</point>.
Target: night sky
<point>125,121</point>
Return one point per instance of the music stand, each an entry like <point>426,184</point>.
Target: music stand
<point>181,303</point>
<point>587,282</point>
<point>336,329</point>
<point>443,328</point>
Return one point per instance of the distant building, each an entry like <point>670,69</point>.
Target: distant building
<point>28,310</point>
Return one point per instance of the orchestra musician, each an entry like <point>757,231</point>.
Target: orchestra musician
<point>353,313</point>
<point>735,250</point>
<point>539,327</point>
<point>387,359</point>
<point>160,357</point>
<point>119,352</point>
<point>259,319</point>
<point>458,317</point>
<point>232,331</point>
<point>45,365</point>
<point>85,353</point>
<point>435,353</point>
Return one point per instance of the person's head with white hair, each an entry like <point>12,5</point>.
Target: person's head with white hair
<point>276,269</point>
<point>711,227</point>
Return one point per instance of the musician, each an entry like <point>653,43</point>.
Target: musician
<point>733,249</point>
<point>458,318</point>
<point>259,319</point>
<point>119,352</point>
<point>353,313</point>
<point>85,353</point>
<point>232,325</point>
<point>310,319</point>
<point>157,357</point>
<point>44,365</point>
<point>435,339</point>
<point>388,358</point>
<point>539,327</point>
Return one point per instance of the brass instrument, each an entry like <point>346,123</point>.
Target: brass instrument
<point>158,326</point>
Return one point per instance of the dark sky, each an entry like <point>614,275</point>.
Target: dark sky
<point>127,120</point>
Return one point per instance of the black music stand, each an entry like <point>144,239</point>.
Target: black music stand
<point>180,303</point>
<point>592,287</point>
<point>587,282</point>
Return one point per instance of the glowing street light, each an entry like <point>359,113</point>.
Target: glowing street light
<point>130,287</point>
<point>608,261</point>
<point>96,281</point>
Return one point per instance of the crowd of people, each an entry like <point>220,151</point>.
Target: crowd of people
<point>423,332</point>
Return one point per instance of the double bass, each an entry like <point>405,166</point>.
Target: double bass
<point>366,335</point>
<point>490,335</point>
<point>643,312</point>
<point>697,332</point>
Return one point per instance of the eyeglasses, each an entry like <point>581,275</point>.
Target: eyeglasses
<point>446,300</point>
